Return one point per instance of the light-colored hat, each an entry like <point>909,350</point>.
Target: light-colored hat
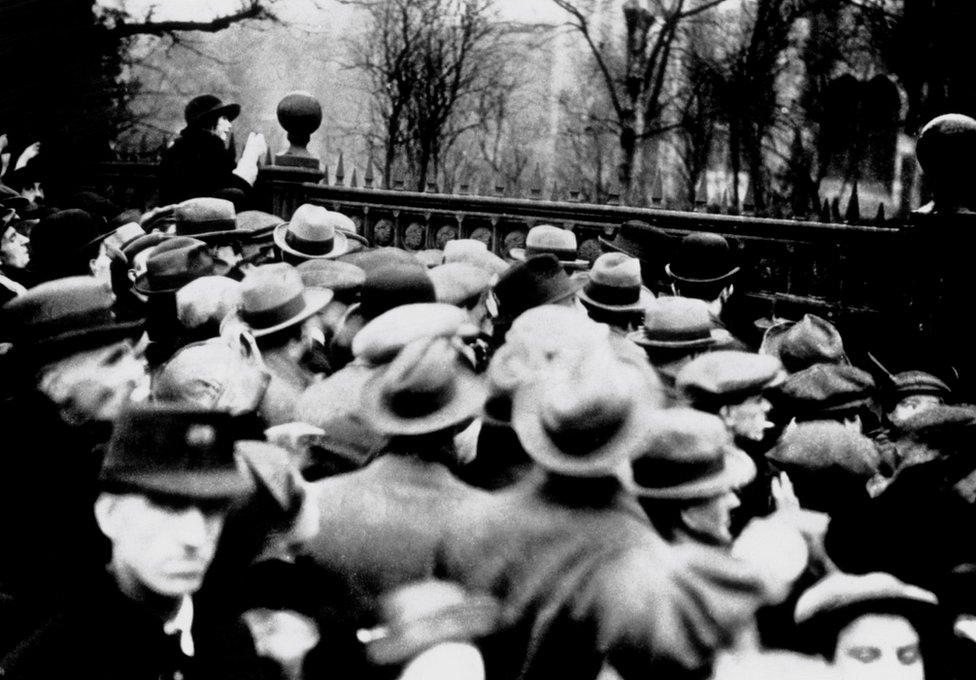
<point>125,235</point>
<point>474,252</point>
<point>615,285</point>
<point>425,389</point>
<point>207,300</point>
<point>727,377</point>
<point>313,233</point>
<point>839,591</point>
<point>204,216</point>
<point>380,340</point>
<point>458,282</point>
<point>273,298</point>
<point>430,257</point>
<point>679,323</point>
<point>545,238</point>
<point>687,455</point>
<point>586,420</point>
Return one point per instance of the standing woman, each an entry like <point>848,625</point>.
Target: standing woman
<point>199,162</point>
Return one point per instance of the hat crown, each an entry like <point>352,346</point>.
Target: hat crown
<point>380,339</point>
<point>685,435</point>
<point>616,269</point>
<point>838,591</point>
<point>728,372</point>
<point>331,274</point>
<point>172,267</point>
<point>702,256</point>
<point>810,341</point>
<point>455,282</point>
<point>460,247</point>
<point>527,284</point>
<point>203,210</point>
<point>312,223</point>
<point>422,378</point>
<point>825,386</point>
<point>678,317</point>
<point>270,286</point>
<point>395,285</point>
<point>548,237</point>
<point>66,300</point>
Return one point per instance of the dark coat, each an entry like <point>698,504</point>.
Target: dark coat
<point>197,164</point>
<point>106,636</point>
<point>380,525</point>
<point>583,584</point>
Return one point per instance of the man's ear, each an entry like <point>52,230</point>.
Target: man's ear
<point>132,275</point>
<point>107,514</point>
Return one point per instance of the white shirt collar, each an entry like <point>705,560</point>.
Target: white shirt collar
<point>182,622</point>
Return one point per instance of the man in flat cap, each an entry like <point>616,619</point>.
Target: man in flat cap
<point>167,481</point>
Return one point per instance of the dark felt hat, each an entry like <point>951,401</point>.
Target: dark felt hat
<point>94,204</point>
<point>205,215</point>
<point>911,383</point>
<point>688,455</point>
<point>639,239</point>
<point>823,390</point>
<point>204,110</point>
<point>702,257</point>
<point>389,287</point>
<point>137,245</point>
<point>10,198</point>
<point>57,242</point>
<point>537,281</point>
<point>65,316</point>
<point>174,451</point>
<point>801,344</point>
<point>174,263</point>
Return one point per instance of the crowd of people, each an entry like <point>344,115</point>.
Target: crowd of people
<point>240,446</point>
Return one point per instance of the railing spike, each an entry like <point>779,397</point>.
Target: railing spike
<point>701,192</point>
<point>657,188</point>
<point>368,176</point>
<point>537,183</point>
<point>574,194</point>
<point>340,173</point>
<point>749,202</point>
<point>725,207</point>
<point>465,188</point>
<point>354,182</point>
<point>325,176</point>
<point>825,215</point>
<point>853,213</point>
<point>879,218</point>
<point>431,187</point>
<point>835,210</point>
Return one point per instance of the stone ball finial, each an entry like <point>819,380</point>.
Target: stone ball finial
<point>945,149</point>
<point>300,114</point>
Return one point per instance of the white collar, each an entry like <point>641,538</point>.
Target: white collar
<point>182,622</point>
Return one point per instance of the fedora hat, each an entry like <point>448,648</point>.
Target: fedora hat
<point>206,109</point>
<point>702,257</point>
<point>380,340</point>
<point>420,615</point>
<point>687,455</point>
<point>273,298</point>
<point>473,251</point>
<point>638,239</point>
<point>64,316</point>
<point>204,215</point>
<point>615,285</point>
<point>545,238</point>
<point>175,451</point>
<point>838,591</point>
<point>457,283</point>
<point>58,243</point>
<point>344,279</point>
<point>539,280</point>
<point>313,233</point>
<point>725,377</point>
<point>801,344</point>
<point>427,388</point>
<point>174,263</point>
<point>679,323</point>
<point>586,419</point>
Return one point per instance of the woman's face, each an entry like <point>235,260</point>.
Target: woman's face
<point>879,647</point>
<point>223,128</point>
<point>13,249</point>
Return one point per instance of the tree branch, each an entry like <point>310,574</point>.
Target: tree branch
<point>254,10</point>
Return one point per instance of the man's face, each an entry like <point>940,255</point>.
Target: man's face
<point>909,406</point>
<point>879,647</point>
<point>33,193</point>
<point>712,518</point>
<point>13,249</point>
<point>163,545</point>
<point>748,420</point>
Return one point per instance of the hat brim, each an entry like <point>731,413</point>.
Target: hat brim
<point>315,301</point>
<point>227,485</point>
<point>230,111</point>
<point>519,255</point>
<point>644,299</point>
<point>686,279</point>
<point>716,337</point>
<point>469,399</point>
<point>89,338</point>
<point>739,470</point>
<point>476,617</point>
<point>605,460</point>
<point>340,246</point>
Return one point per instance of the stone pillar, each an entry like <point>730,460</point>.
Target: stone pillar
<point>300,114</point>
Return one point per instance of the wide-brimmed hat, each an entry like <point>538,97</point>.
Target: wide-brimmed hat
<point>313,233</point>
<point>64,316</point>
<point>838,592</point>
<point>688,454</point>
<point>421,615</point>
<point>175,451</point>
<point>206,109</point>
<point>380,340</point>
<point>638,239</point>
<point>204,215</point>
<point>427,388</point>
<point>679,323</point>
<point>800,344</point>
<point>615,285</point>
<point>585,420</point>
<point>702,257</point>
<point>273,298</point>
<point>344,279</point>
<point>545,238</point>
<point>457,283</point>
<point>174,263</point>
<point>539,280</point>
<point>727,377</point>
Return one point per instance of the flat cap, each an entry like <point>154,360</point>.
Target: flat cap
<point>727,377</point>
<point>458,282</point>
<point>839,591</point>
<point>811,340</point>
<point>827,445</point>
<point>823,390</point>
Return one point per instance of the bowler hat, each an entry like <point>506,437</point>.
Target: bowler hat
<point>313,233</point>
<point>615,285</point>
<point>344,279</point>
<point>273,298</point>
<point>94,204</point>
<point>458,283</point>
<point>800,344</point>
<point>57,243</point>
<point>204,215</point>
<point>702,257</point>
<point>876,591</point>
<point>206,109</point>
<point>537,281</point>
<point>174,451</point>
<point>688,454</point>
<point>545,238</point>
<point>679,323</point>
<point>380,340</point>
<point>420,615</point>
<point>65,316</point>
<point>727,377</point>
<point>638,239</point>
<point>823,390</point>
<point>425,389</point>
<point>586,419</point>
<point>174,263</point>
